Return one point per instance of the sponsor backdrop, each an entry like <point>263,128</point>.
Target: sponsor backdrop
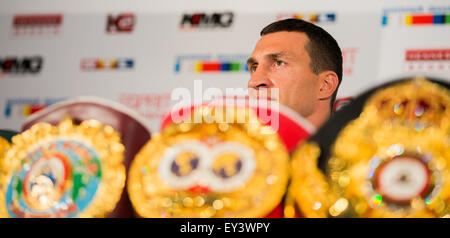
<point>137,52</point>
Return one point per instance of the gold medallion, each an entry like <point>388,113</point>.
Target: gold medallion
<point>210,169</point>
<point>4,145</point>
<point>62,171</point>
<point>392,161</point>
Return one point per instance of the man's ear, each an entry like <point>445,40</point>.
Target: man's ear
<point>328,84</point>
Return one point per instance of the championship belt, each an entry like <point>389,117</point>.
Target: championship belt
<point>70,161</point>
<point>5,139</point>
<point>386,154</point>
<point>229,164</point>
<point>7,134</point>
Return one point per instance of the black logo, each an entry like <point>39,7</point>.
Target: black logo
<point>204,20</point>
<point>23,65</point>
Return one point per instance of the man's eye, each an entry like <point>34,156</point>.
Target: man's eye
<point>253,68</point>
<point>279,63</point>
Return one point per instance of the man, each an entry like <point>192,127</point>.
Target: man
<point>304,62</point>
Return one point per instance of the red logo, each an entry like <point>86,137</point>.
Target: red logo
<point>122,23</point>
<point>429,54</point>
<point>36,24</point>
<point>148,105</point>
<point>348,60</point>
<point>427,60</point>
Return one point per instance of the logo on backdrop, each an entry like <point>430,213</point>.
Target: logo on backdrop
<point>23,107</point>
<point>420,60</point>
<point>348,60</point>
<point>121,23</point>
<point>207,63</point>
<point>313,17</point>
<point>20,65</point>
<point>36,24</point>
<point>206,20</point>
<point>411,16</point>
<point>152,106</point>
<point>99,64</point>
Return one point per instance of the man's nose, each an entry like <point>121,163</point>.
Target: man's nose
<point>260,79</point>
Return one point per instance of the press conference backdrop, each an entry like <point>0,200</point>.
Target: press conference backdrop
<point>136,52</point>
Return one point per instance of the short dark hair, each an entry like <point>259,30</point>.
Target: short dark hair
<point>322,48</point>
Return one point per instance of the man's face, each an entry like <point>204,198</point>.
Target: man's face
<point>281,61</point>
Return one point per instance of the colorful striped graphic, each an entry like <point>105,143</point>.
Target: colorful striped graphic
<point>207,63</point>
<point>419,19</point>
<point>29,109</point>
<point>104,64</point>
<point>27,106</point>
<point>427,19</point>
<point>206,66</point>
<point>217,66</point>
<point>320,17</point>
